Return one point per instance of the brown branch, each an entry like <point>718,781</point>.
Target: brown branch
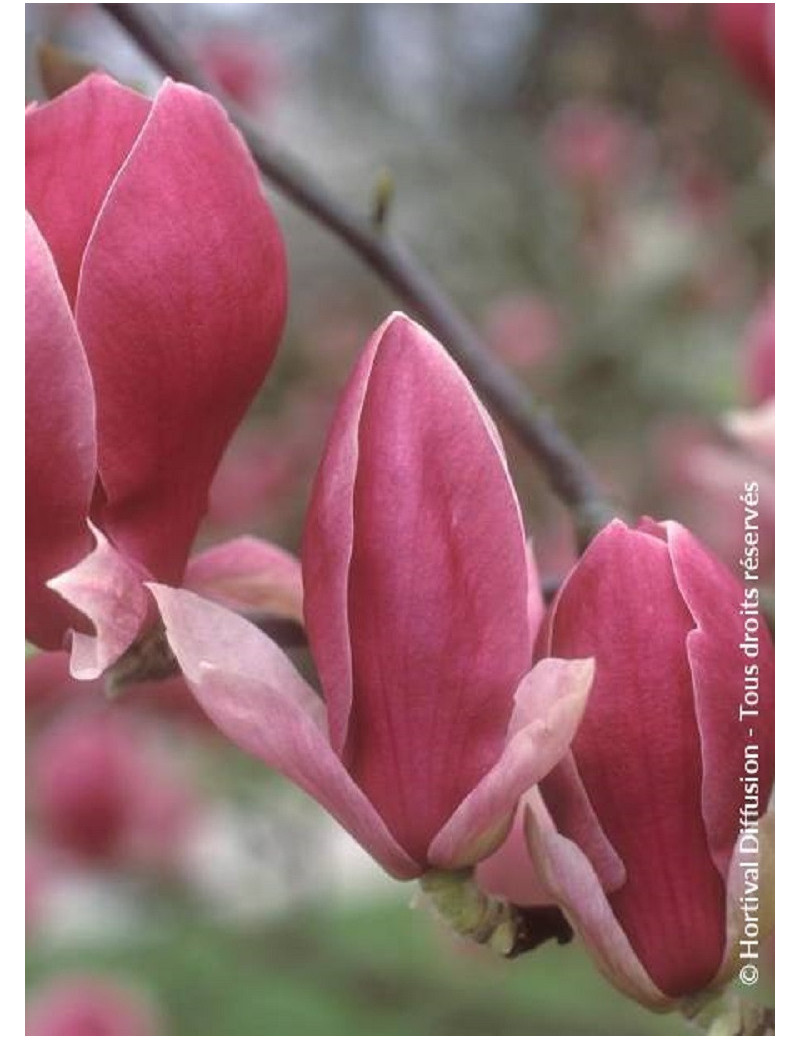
<point>568,472</point>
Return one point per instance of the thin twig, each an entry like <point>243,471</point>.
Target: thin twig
<point>567,470</point>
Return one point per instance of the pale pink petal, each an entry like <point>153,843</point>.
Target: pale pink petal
<point>437,589</point>
<point>74,147</point>
<point>107,587</point>
<point>180,305</point>
<point>509,872</point>
<point>568,878</point>
<point>550,702</point>
<point>60,455</point>
<point>715,599</point>
<point>536,607</point>
<point>253,693</point>
<point>249,574</point>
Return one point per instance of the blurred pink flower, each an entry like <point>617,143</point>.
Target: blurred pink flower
<point>155,297</point>
<point>418,597</point>
<point>593,147</point>
<point>523,328</point>
<point>704,474</point>
<point>101,793</point>
<point>245,69</point>
<point>746,33</point>
<point>90,1005</point>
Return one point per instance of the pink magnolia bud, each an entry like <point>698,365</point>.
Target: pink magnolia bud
<point>89,1006</point>
<point>418,609</point>
<point>155,297</point>
<point>746,33</point>
<point>102,796</point>
<point>642,844</point>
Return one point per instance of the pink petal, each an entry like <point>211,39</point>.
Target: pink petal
<point>715,599</point>
<point>621,603</point>
<point>180,306</point>
<point>549,705</point>
<point>107,587</point>
<point>253,693</point>
<point>74,147</point>
<point>568,878</point>
<point>536,607</point>
<point>248,574</point>
<point>328,546</point>
<point>437,587</point>
<point>509,872</point>
<point>59,443</point>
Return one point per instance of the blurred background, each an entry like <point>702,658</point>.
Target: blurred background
<point>593,183</point>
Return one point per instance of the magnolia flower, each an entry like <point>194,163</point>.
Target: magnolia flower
<point>417,607</point>
<point>155,297</point>
<point>640,842</point>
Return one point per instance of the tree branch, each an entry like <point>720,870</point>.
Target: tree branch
<point>568,472</point>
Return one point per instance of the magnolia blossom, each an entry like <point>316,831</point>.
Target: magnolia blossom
<point>639,842</point>
<point>155,297</point>
<point>418,610</point>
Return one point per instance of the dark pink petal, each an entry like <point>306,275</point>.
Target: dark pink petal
<point>549,704</point>
<point>60,456</point>
<point>253,693</point>
<point>328,547</point>
<point>568,879</point>
<point>248,574</point>
<point>107,588</point>
<point>437,591</point>
<point>74,147</point>
<point>638,752</point>
<point>180,306</point>
<point>716,600</point>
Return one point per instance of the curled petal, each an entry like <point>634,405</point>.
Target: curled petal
<point>180,305</point>
<point>550,702</point>
<point>60,456</point>
<point>248,574</point>
<point>713,596</point>
<point>567,876</point>
<point>253,693</point>
<point>107,587</point>
<point>74,147</point>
